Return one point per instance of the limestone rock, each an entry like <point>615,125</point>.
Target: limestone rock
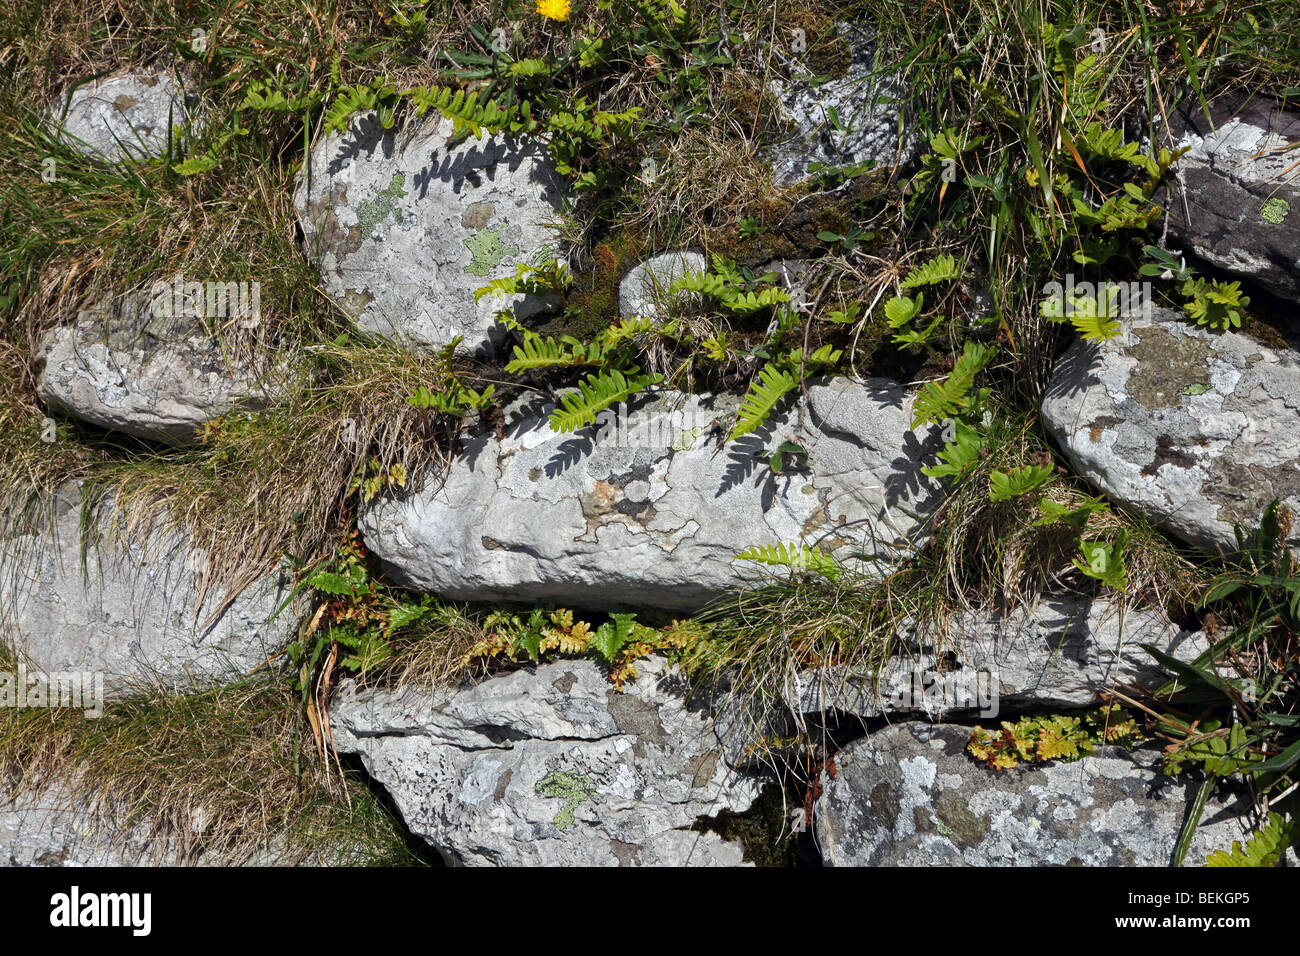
<point>643,291</point>
<point>126,117</point>
<point>550,767</point>
<point>648,508</point>
<point>134,615</point>
<point>130,371</point>
<point>61,825</point>
<point>1062,652</point>
<point>405,226</point>
<point>1234,199</point>
<point>909,795</point>
<point>867,101</point>
<point>1193,428</point>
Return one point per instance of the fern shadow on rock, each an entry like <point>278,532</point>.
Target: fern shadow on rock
<point>363,135</point>
<point>570,453</point>
<point>905,480</point>
<point>1074,372</point>
<point>744,462</point>
<point>885,391</point>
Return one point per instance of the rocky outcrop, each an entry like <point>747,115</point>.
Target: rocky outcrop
<point>1193,428</point>
<point>1062,652</point>
<point>126,117</point>
<point>650,508</point>
<point>130,371</point>
<point>405,226</point>
<point>133,607</point>
<point>909,795</point>
<point>644,290</point>
<point>857,118</point>
<point>1234,198</point>
<point>550,766</point>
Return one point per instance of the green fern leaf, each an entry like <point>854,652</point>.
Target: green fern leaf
<point>900,309</point>
<point>938,269</point>
<point>611,636</point>
<point>1018,481</point>
<point>941,400</point>
<point>595,394</point>
<point>1264,848</point>
<point>959,455</point>
<point>765,393</point>
<point>798,556</point>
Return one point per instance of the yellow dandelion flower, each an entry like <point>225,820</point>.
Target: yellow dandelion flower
<point>554,9</point>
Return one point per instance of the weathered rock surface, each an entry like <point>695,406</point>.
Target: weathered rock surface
<point>1062,652</point>
<point>644,290</point>
<point>867,101</point>
<point>126,117</point>
<point>134,615</point>
<point>127,370</point>
<point>1195,429</point>
<point>648,509</point>
<point>1234,199</point>
<point>909,795</point>
<point>58,825</point>
<point>405,226</point>
<point>550,766</point>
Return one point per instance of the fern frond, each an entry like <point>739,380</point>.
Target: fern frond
<point>939,400</point>
<point>765,393</point>
<point>798,556</point>
<point>595,394</point>
<point>537,352</point>
<point>1264,848</point>
<point>938,269</point>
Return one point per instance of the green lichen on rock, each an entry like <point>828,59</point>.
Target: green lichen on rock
<point>564,785</point>
<point>371,212</point>
<point>1275,210</point>
<point>487,250</point>
<point>686,439</point>
<point>1168,365</point>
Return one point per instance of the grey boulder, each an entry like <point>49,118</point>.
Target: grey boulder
<point>1194,429</point>
<point>649,508</point>
<point>405,225</point>
<point>550,767</point>
<point>1234,198</point>
<point>644,290</point>
<point>1064,651</point>
<point>140,613</point>
<point>910,795</point>
<point>858,118</point>
<point>128,370</point>
<point>126,117</point>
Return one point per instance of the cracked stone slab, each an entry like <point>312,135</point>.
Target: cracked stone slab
<point>550,766</point>
<point>648,508</point>
<point>910,795</point>
<point>868,102</point>
<point>126,117</point>
<point>404,226</point>
<point>1064,651</point>
<point>134,614</point>
<point>128,370</point>
<point>1234,199</point>
<point>1193,428</point>
<point>643,291</point>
